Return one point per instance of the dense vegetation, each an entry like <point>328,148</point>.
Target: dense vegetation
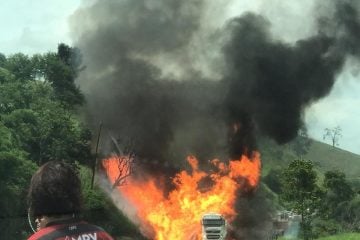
<point>38,123</point>
<point>344,236</point>
<point>320,192</point>
<point>39,104</point>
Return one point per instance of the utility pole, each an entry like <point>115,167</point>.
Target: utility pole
<point>96,157</point>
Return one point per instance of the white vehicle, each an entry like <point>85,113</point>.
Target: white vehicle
<point>213,226</point>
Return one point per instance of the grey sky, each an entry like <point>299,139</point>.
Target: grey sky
<point>34,26</point>
<point>37,26</point>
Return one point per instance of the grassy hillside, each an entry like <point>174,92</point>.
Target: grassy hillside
<point>324,156</point>
<point>328,158</point>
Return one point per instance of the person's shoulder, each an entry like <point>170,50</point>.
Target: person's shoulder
<point>90,225</point>
<point>101,233</point>
<point>43,232</point>
<point>74,229</point>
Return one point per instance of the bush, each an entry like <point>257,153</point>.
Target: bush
<point>323,228</point>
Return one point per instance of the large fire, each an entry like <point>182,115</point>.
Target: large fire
<point>177,215</point>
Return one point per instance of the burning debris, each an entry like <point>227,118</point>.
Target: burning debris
<point>158,72</point>
<point>125,163</point>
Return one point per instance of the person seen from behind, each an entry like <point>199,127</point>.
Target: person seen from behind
<point>54,200</point>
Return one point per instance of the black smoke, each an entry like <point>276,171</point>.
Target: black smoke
<point>264,87</point>
<point>146,81</point>
<point>165,118</point>
<point>274,82</point>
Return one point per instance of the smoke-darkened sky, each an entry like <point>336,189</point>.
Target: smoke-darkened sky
<point>195,47</point>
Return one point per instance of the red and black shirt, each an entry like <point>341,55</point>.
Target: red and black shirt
<point>74,230</point>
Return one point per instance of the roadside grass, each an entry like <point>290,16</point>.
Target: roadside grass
<point>344,236</point>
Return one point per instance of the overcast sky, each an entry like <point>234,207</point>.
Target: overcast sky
<point>37,26</point>
<point>34,26</point>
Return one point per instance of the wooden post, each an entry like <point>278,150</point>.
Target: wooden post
<point>96,156</point>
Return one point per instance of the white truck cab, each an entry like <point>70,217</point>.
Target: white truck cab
<point>213,226</point>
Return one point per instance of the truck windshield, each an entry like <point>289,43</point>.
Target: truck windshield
<point>213,222</point>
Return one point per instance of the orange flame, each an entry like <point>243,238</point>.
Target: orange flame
<point>178,216</point>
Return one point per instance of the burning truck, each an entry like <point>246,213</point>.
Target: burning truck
<point>175,214</point>
<point>213,226</point>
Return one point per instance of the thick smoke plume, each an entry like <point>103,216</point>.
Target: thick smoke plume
<point>261,84</point>
<point>161,76</point>
<point>273,82</point>
<point>122,41</point>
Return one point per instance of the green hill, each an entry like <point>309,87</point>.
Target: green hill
<point>328,158</point>
<point>324,156</point>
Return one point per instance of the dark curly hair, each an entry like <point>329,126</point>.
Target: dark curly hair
<point>55,189</point>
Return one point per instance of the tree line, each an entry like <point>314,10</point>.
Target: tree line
<point>39,122</point>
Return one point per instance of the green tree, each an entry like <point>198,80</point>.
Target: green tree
<point>300,191</point>
<point>302,143</point>
<point>2,60</point>
<point>40,124</point>
<point>60,135</point>
<point>21,66</point>
<point>12,94</point>
<point>352,217</point>
<point>15,173</point>
<point>38,97</point>
<point>337,201</point>
<point>335,183</point>
<point>61,70</point>
<point>273,180</point>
